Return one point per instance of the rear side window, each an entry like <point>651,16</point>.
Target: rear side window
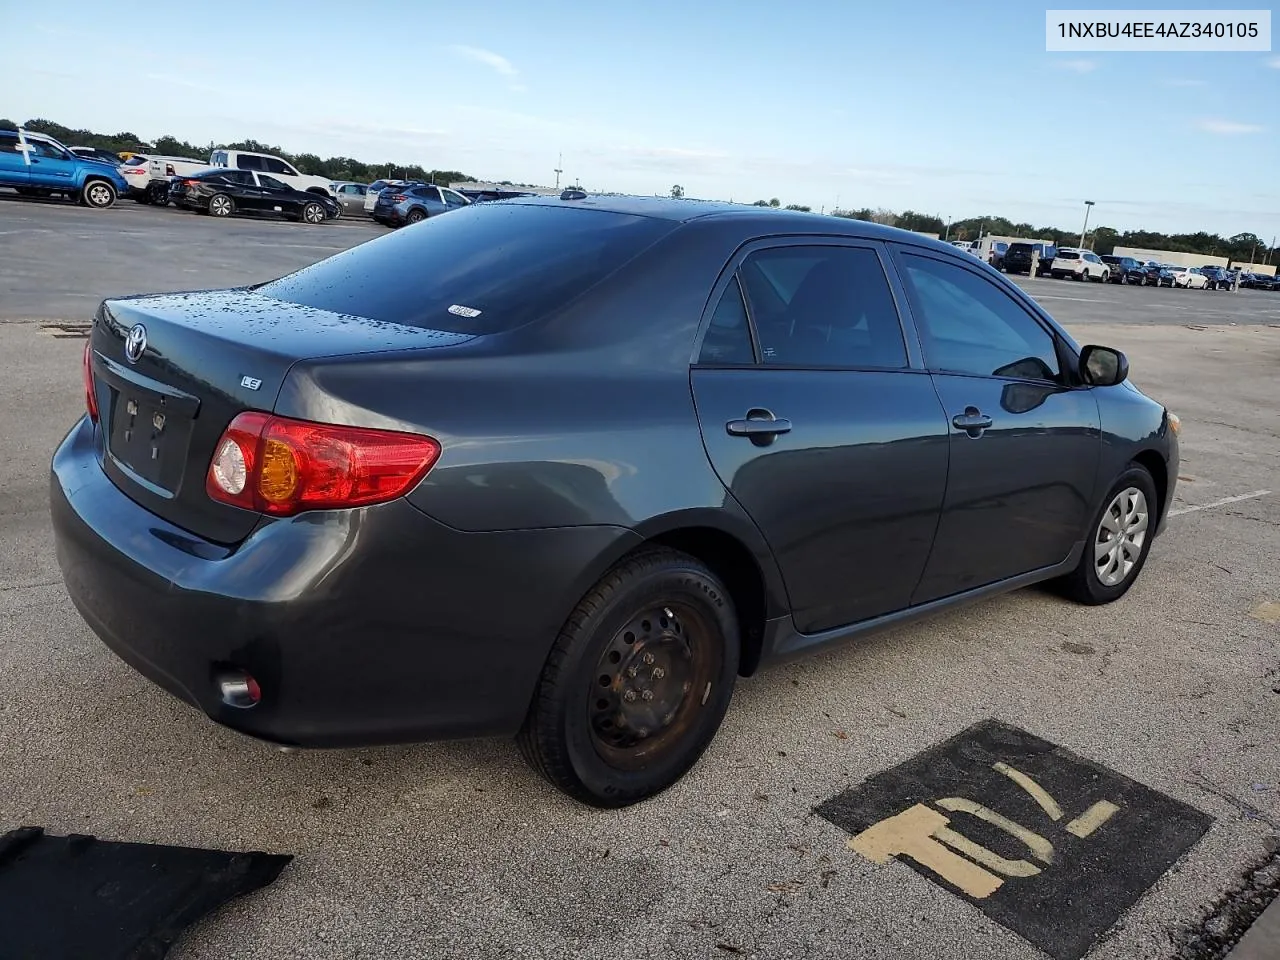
<point>483,269</point>
<point>246,162</point>
<point>275,165</point>
<point>971,326</point>
<point>823,306</point>
<point>728,339</point>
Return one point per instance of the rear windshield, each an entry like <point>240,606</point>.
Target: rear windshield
<point>1068,255</point>
<point>483,269</point>
<point>135,161</point>
<point>1107,258</point>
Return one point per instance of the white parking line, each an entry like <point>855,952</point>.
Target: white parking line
<point>1219,503</point>
<point>1076,299</point>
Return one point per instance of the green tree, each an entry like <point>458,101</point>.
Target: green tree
<point>800,207</point>
<point>775,202</point>
<point>677,192</point>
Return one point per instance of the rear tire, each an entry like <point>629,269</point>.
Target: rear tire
<point>220,205</point>
<point>637,683</point>
<point>1119,541</point>
<point>415,216</point>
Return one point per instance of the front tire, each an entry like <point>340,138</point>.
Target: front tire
<point>637,683</point>
<point>1119,541</point>
<point>98,194</point>
<point>313,213</point>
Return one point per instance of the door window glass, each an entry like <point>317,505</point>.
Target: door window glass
<point>823,306</point>
<point>971,326</point>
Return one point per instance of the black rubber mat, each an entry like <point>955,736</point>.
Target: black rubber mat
<point>77,897</point>
<point>1051,845</point>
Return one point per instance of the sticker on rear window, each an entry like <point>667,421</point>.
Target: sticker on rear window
<point>461,311</point>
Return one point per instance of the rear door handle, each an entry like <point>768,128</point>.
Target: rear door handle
<point>760,425</point>
<point>973,421</point>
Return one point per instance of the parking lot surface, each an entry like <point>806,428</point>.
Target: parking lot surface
<point>1167,702</point>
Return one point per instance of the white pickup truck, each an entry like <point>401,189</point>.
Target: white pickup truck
<point>149,175</point>
<point>276,166</point>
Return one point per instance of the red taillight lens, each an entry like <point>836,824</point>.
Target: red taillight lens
<point>90,394</point>
<point>281,466</point>
<point>399,198</point>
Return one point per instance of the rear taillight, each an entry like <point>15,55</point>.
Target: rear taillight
<point>398,198</point>
<point>281,466</point>
<point>90,394</point>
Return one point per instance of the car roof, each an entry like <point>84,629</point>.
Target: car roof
<point>763,219</point>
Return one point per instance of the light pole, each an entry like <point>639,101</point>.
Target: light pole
<point>1085,229</point>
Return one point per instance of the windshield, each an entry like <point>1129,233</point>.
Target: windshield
<point>482,269</point>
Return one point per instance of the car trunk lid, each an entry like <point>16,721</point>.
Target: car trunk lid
<point>171,372</point>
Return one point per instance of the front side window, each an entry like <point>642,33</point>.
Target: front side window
<point>970,326</point>
<point>40,148</point>
<point>823,306</point>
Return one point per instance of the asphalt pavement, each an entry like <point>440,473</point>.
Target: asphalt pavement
<point>1167,703</point>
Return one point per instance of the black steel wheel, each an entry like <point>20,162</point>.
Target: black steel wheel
<point>637,683</point>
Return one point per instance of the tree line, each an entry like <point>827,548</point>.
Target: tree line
<point>335,168</point>
<point>1242,247</point>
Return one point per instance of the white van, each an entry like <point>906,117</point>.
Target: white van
<point>277,167</point>
<point>149,175</point>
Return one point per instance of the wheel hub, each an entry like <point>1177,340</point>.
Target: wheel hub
<point>643,679</point>
<point>1121,535</point>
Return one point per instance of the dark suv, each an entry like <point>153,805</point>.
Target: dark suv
<point>1017,259</point>
<point>1217,278</point>
<point>1124,269</point>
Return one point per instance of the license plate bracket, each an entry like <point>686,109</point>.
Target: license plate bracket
<point>149,437</point>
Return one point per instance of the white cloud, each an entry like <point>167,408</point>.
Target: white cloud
<point>1076,66</point>
<point>1229,127</point>
<point>495,61</point>
<point>1274,63</point>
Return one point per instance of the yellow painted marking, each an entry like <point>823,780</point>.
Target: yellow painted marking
<point>912,834</point>
<point>1268,612</point>
<point>1037,792</point>
<point>1040,848</point>
<point>988,858</point>
<point>1092,819</point>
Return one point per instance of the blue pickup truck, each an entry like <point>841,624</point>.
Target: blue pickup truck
<point>36,165</point>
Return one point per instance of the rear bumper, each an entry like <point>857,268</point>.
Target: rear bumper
<point>369,626</point>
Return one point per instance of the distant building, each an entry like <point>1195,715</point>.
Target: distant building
<point>1172,257</point>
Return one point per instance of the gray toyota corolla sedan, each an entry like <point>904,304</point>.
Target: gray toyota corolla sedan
<point>565,468</point>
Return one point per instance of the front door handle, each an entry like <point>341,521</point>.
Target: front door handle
<point>973,421</point>
<point>760,425</point>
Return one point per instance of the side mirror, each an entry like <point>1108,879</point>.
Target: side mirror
<point>1103,366</point>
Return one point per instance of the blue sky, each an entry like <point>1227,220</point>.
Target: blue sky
<point>954,109</point>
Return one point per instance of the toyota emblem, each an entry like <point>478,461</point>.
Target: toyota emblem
<point>135,342</point>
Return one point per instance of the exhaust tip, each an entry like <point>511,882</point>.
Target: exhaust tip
<point>239,689</point>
